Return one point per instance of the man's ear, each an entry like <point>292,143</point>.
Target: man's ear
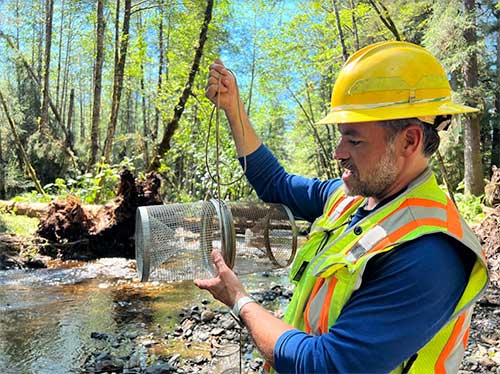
<point>412,140</point>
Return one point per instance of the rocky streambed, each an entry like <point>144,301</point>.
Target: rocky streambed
<point>198,343</point>
<point>206,328</point>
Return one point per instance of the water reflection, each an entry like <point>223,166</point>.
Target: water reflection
<point>47,316</point>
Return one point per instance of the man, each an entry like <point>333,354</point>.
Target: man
<point>388,277</point>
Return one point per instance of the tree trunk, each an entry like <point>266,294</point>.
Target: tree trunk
<point>70,116</point>
<point>354,25</point>
<point>130,113</point>
<point>252,80</point>
<point>96,104</point>
<point>495,138</point>
<point>339,30</point>
<point>252,69</point>
<point>322,152</point>
<point>446,179</point>
<point>59,57</point>
<point>2,169</point>
<point>145,126</point>
<point>65,78</point>
<point>161,62</point>
<point>385,17</point>
<point>44,113</point>
<point>19,144</point>
<point>39,60</point>
<point>69,151</point>
<point>82,121</point>
<point>118,81</point>
<point>164,145</point>
<point>474,183</point>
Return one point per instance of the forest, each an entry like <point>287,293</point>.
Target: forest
<point>90,87</point>
<point>103,109</point>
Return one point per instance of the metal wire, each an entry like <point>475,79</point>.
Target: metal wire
<point>216,110</point>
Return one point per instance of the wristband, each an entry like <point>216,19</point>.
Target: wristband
<point>240,303</point>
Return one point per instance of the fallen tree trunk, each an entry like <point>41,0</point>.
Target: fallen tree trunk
<point>37,210</point>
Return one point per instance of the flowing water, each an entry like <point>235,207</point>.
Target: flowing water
<point>47,316</point>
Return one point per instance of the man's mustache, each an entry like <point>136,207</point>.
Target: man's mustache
<point>348,164</point>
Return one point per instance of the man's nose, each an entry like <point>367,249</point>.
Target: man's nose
<point>340,152</point>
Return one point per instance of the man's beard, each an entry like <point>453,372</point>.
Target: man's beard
<point>376,182</point>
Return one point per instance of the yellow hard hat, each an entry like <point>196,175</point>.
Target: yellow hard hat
<point>391,80</point>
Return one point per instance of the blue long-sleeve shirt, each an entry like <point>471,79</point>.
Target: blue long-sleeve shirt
<point>407,294</point>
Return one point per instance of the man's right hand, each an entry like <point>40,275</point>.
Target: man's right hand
<point>222,83</point>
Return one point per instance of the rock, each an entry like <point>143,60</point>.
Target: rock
<point>216,331</point>
<point>178,331</point>
<point>203,336</point>
<point>109,365</point>
<point>207,315</point>
<point>134,360</point>
<point>148,343</point>
<point>131,335</point>
<point>164,368</point>
<point>187,324</point>
<point>200,359</point>
<point>101,336</point>
<point>486,362</point>
<point>36,263</point>
<point>174,359</point>
<point>228,324</point>
<point>101,356</point>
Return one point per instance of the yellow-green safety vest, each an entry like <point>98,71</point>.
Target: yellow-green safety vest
<point>330,266</point>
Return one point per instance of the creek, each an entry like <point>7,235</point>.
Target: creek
<point>49,317</point>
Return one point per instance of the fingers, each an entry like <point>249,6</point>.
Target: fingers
<point>220,266</point>
<point>218,70</point>
<point>212,90</point>
<point>206,284</point>
<point>219,263</point>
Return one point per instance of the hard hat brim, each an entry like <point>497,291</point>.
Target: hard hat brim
<point>396,112</point>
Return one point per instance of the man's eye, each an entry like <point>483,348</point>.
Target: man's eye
<point>354,142</point>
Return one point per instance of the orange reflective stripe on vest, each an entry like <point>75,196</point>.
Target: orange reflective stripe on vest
<point>440,368</point>
<point>315,290</point>
<point>335,268</point>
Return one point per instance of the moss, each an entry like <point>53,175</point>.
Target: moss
<point>19,225</point>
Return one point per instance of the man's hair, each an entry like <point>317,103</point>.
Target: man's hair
<point>430,138</point>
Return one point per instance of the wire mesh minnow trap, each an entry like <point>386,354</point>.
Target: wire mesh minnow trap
<point>174,242</point>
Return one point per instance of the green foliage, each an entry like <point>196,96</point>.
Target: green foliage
<point>286,55</point>
<point>19,225</point>
<point>91,188</point>
<point>470,207</point>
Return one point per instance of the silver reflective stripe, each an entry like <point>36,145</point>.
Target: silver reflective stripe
<point>387,103</point>
<point>412,213</point>
<point>470,239</point>
<point>340,208</point>
<point>452,363</point>
<point>366,243</point>
<point>372,237</point>
<point>316,307</point>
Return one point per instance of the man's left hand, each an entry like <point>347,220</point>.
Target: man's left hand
<point>225,287</point>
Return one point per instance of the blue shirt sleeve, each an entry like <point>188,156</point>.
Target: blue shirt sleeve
<point>407,295</point>
<point>305,197</point>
